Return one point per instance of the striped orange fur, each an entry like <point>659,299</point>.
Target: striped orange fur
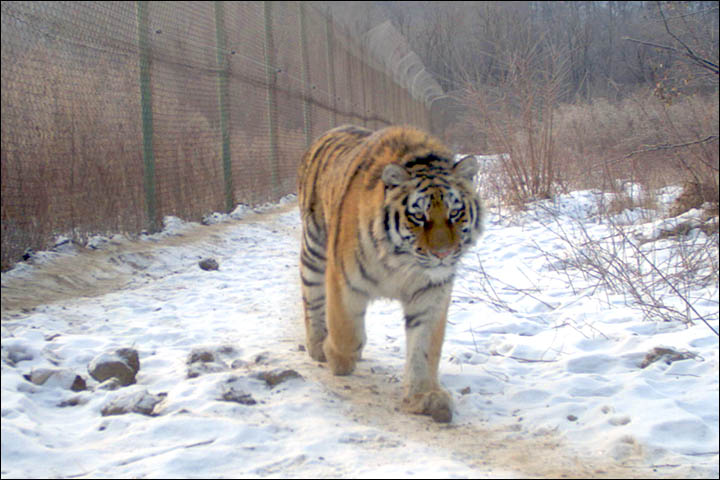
<point>384,214</point>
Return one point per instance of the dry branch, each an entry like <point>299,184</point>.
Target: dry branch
<point>667,146</point>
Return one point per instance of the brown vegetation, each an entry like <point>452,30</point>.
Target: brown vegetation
<point>88,147</point>
<point>579,94</point>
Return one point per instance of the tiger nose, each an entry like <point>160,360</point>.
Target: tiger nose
<point>442,253</point>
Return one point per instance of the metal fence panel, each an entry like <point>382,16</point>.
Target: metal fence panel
<point>116,114</point>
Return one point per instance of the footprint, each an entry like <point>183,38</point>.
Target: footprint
<point>591,364</point>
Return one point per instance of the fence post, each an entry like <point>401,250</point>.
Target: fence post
<point>223,99</point>
<point>271,99</point>
<point>331,68</point>
<point>349,100</point>
<point>387,99</point>
<point>364,85</point>
<point>305,75</point>
<point>147,114</point>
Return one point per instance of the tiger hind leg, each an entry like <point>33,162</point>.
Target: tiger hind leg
<point>312,278</point>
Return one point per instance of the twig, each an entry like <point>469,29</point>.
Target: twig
<point>698,60</point>
<point>651,44</point>
<point>520,359</point>
<point>668,282</point>
<point>668,146</point>
<point>699,12</point>
<point>609,267</point>
<point>704,63</point>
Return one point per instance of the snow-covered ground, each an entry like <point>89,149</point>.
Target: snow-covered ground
<point>551,373</point>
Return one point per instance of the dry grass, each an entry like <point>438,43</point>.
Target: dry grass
<point>643,140</point>
<point>639,140</point>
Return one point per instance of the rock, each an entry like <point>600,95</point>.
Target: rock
<point>197,369</point>
<point>231,394</point>
<point>262,358</point>
<point>209,264</point>
<point>131,357</point>
<point>200,355</point>
<point>39,375</point>
<point>203,360</point>
<point>78,384</point>
<point>276,377</point>
<point>57,377</point>
<point>111,383</point>
<point>668,355</point>
<point>135,401</point>
<point>74,401</point>
<point>238,363</point>
<point>15,352</point>
<point>108,365</point>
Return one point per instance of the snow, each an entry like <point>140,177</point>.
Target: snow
<point>545,367</point>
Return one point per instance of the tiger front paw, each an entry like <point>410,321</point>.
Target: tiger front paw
<point>340,364</point>
<point>315,349</point>
<point>436,403</point>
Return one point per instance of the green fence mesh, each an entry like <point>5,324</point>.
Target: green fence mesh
<point>116,114</point>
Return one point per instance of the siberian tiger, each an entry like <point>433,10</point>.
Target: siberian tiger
<point>384,214</point>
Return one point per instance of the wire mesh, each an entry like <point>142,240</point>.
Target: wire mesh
<point>117,114</point>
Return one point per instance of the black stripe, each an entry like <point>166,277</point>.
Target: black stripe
<point>307,264</point>
<point>317,307</point>
<point>315,224</point>
<point>308,283</point>
<point>316,303</point>
<point>363,273</point>
<point>313,235</point>
<point>412,321</point>
<point>349,283</point>
<point>316,165</point>
<point>430,286</point>
<point>426,161</point>
<point>314,253</point>
<point>360,256</point>
<point>375,242</point>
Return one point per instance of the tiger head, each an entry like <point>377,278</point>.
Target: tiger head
<point>432,211</point>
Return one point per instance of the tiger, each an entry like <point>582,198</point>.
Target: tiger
<point>385,214</point>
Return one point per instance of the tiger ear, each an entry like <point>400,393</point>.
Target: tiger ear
<point>466,168</point>
<point>394,175</point>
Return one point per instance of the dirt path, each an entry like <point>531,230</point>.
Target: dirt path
<point>117,265</point>
<point>371,395</point>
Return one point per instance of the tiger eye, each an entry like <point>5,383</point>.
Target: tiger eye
<point>419,216</point>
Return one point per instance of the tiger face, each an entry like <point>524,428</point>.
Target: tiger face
<point>431,213</point>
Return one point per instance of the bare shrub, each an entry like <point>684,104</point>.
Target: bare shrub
<point>659,274</point>
<point>695,195</point>
<point>516,117</point>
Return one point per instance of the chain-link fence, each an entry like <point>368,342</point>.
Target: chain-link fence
<point>115,114</point>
